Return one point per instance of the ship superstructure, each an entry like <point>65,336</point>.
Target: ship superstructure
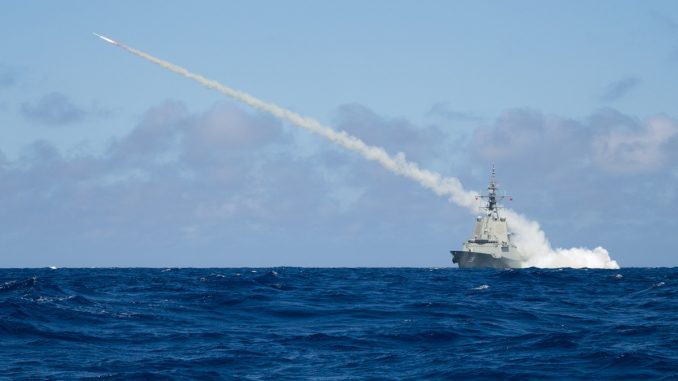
<point>491,244</point>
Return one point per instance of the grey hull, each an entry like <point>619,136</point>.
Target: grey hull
<point>468,259</point>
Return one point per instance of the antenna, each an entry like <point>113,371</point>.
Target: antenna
<point>492,205</point>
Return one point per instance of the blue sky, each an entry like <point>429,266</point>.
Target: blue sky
<point>107,160</point>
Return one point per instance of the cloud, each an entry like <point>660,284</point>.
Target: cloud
<point>640,150</point>
<point>154,135</point>
<point>219,178</point>
<point>618,89</point>
<point>56,109</point>
<point>421,143</point>
<point>607,141</point>
<point>225,129</point>
<point>229,187</point>
<point>520,135</point>
<point>153,170</point>
<point>601,180</point>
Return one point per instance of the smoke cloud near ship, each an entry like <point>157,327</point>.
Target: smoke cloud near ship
<point>538,252</point>
<point>529,237</point>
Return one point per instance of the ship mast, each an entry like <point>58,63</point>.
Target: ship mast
<point>492,207</point>
<point>492,191</point>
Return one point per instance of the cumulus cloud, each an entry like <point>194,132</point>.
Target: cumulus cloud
<point>57,109</point>
<point>202,139</point>
<point>225,129</point>
<point>154,135</point>
<point>219,178</point>
<point>607,141</point>
<point>639,150</point>
<point>520,135</point>
<point>394,134</point>
<point>618,89</point>
<point>225,186</point>
<point>138,194</point>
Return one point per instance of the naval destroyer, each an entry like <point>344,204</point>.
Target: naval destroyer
<point>491,244</point>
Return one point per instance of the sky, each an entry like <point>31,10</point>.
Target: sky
<point>108,160</point>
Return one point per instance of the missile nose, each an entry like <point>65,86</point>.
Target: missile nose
<point>105,38</point>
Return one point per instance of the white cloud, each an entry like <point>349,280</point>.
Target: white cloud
<point>641,150</point>
<point>607,141</point>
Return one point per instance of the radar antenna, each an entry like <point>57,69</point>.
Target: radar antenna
<point>492,207</point>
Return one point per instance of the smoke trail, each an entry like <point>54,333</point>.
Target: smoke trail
<point>450,187</point>
<point>530,239</point>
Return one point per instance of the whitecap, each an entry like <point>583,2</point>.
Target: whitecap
<point>482,287</point>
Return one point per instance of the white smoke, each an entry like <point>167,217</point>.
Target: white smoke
<point>537,251</point>
<point>529,238</point>
<point>449,187</point>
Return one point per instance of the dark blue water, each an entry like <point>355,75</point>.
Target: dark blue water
<point>335,324</point>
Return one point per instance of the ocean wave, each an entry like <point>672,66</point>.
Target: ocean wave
<point>292,323</point>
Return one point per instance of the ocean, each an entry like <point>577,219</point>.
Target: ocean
<point>339,324</point>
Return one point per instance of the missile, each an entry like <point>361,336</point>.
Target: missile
<point>106,39</point>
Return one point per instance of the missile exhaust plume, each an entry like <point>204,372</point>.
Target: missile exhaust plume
<point>537,251</point>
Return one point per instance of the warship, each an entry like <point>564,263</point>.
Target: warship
<point>491,244</point>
